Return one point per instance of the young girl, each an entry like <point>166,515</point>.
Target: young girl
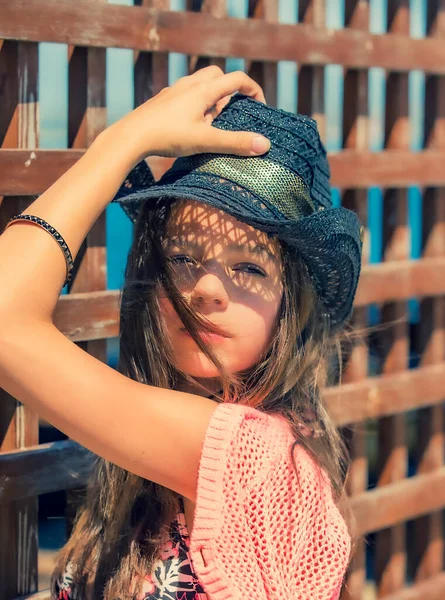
<point>219,472</point>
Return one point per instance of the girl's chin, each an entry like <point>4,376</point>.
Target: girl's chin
<point>200,366</point>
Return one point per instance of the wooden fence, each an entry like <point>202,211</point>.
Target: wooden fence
<point>407,567</point>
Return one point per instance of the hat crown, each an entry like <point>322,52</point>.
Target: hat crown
<point>296,146</point>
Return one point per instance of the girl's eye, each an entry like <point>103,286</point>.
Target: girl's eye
<point>182,259</point>
<point>248,268</point>
<point>252,269</point>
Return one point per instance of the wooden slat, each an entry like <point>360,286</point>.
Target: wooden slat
<point>18,424</point>
<point>265,73</point>
<point>90,24</point>
<point>407,279</point>
<point>218,9</point>
<point>32,172</point>
<point>87,118</point>
<point>356,137</point>
<point>47,468</point>
<point>150,68</point>
<point>430,340</point>
<point>390,544</point>
<point>88,316</point>
<point>44,468</point>
<point>394,503</point>
<point>430,589</point>
<point>94,315</point>
<point>311,78</point>
<point>386,395</point>
<point>66,465</point>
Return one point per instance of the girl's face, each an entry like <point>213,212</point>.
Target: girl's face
<point>231,274</point>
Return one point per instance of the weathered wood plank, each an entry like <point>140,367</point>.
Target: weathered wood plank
<point>19,128</point>
<point>265,73</point>
<point>31,172</point>
<point>95,315</point>
<point>62,465</point>
<point>218,9</point>
<point>44,468</point>
<point>430,589</point>
<point>66,464</point>
<point>392,462</point>
<point>150,68</point>
<point>91,24</point>
<point>356,137</point>
<point>87,118</point>
<point>386,395</point>
<point>430,339</point>
<point>394,503</point>
<point>311,98</point>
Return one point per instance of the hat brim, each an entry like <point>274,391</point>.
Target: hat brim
<point>329,240</point>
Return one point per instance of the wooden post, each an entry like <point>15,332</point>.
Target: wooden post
<point>19,427</point>
<point>86,119</point>
<point>311,79</point>
<point>430,341</point>
<point>150,77</point>
<point>216,8</point>
<point>356,137</point>
<point>150,68</point>
<point>393,453</point>
<point>266,73</point>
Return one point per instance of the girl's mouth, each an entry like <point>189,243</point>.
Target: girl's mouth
<point>207,337</point>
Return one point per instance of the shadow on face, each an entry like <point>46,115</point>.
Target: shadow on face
<point>232,275</point>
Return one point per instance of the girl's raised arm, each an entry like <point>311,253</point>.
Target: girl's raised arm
<point>149,431</point>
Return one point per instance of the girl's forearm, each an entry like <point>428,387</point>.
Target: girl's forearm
<point>32,265</point>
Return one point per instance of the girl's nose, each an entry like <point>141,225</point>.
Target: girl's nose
<point>209,290</point>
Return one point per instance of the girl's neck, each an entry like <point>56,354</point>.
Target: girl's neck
<point>213,386</point>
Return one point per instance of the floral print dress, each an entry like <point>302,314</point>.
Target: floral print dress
<point>172,577</point>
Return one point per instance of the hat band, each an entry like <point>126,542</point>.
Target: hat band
<point>271,182</point>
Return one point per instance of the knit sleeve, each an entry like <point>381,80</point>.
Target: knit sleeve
<point>262,528</point>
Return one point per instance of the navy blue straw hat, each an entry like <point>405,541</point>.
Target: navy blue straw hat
<point>285,193</point>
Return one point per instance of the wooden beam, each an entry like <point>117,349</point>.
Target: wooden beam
<point>95,315</point>
<point>398,502</point>
<point>139,28</point>
<point>66,465</point>
<point>43,469</point>
<point>432,588</point>
<point>19,427</point>
<point>33,171</point>
<point>386,395</point>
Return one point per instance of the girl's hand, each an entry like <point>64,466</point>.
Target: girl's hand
<point>178,120</point>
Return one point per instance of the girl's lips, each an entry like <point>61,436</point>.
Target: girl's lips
<point>210,337</point>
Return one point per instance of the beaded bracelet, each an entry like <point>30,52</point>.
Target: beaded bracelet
<point>54,233</point>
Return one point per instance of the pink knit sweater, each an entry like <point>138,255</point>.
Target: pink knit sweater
<point>260,531</point>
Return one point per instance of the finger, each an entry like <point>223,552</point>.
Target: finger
<point>215,110</point>
<point>222,103</point>
<point>204,74</point>
<point>228,84</point>
<point>241,143</point>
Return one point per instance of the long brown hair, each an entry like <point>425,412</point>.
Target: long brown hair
<point>125,518</point>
